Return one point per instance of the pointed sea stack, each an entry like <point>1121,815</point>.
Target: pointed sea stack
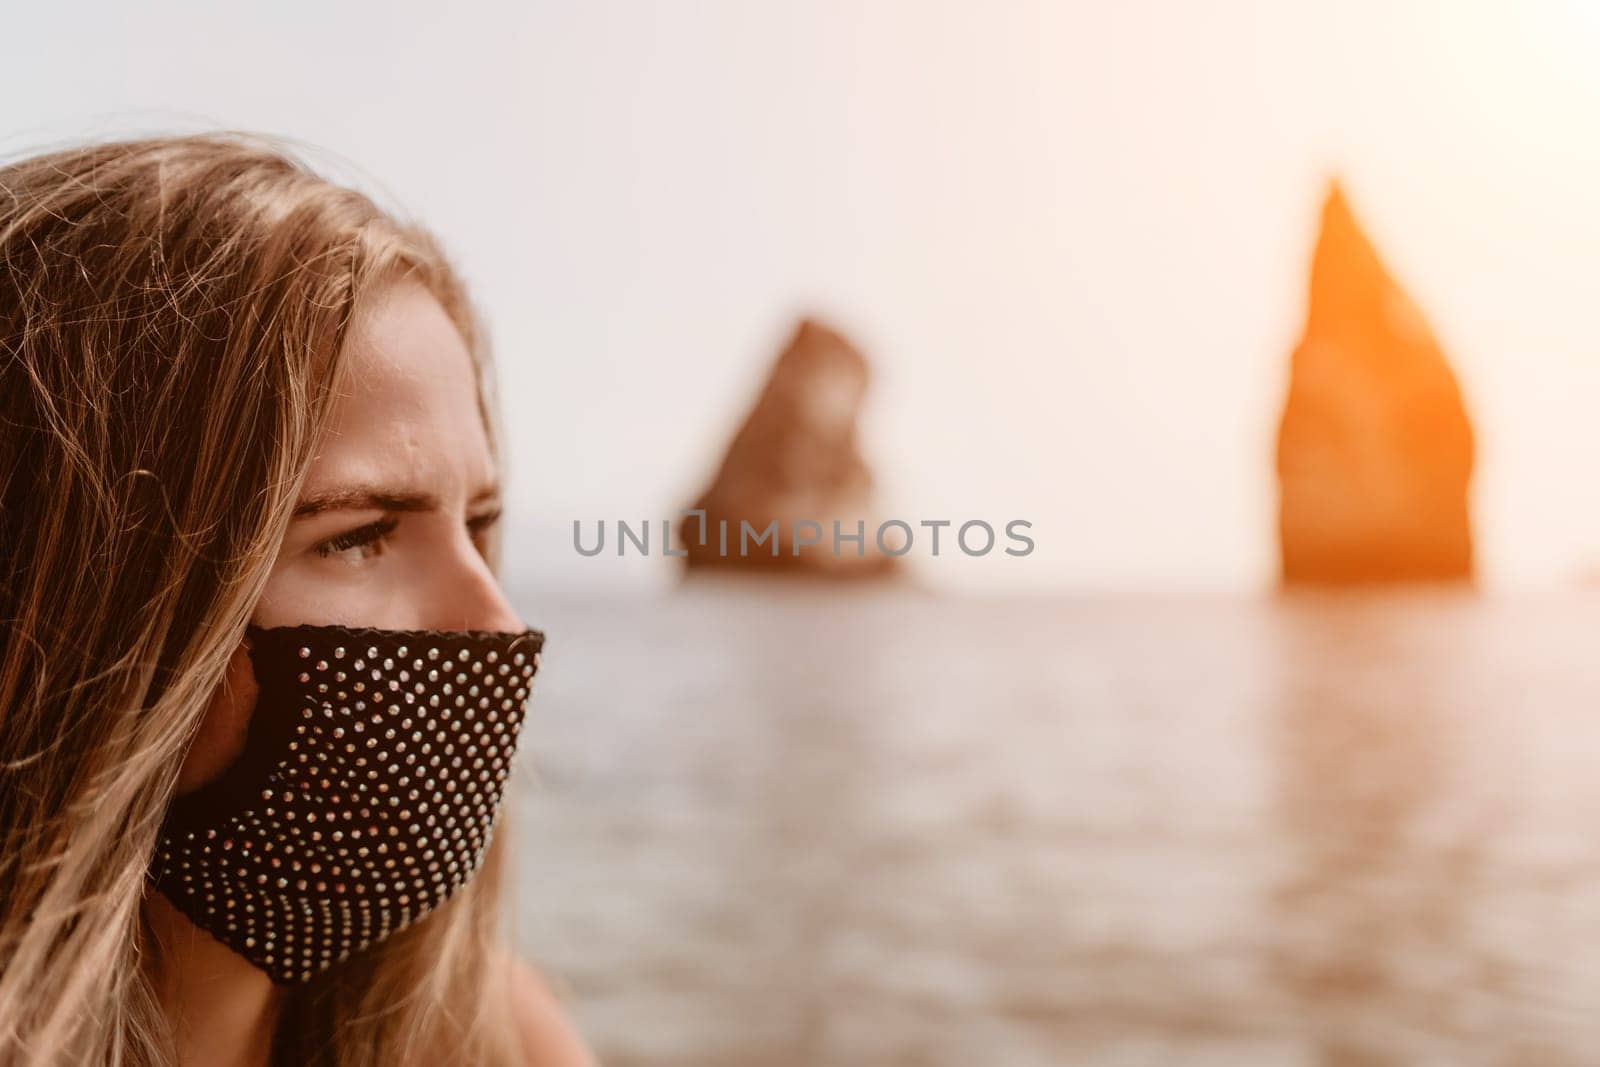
<point>1375,449</point>
<point>795,458</point>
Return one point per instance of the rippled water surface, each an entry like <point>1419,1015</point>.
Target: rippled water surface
<point>773,825</point>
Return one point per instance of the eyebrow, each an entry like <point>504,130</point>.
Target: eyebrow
<point>368,498</point>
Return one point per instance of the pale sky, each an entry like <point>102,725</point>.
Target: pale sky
<point>1072,237</point>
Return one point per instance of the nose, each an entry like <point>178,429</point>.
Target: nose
<point>470,597</point>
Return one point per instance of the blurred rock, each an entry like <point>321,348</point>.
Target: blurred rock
<point>796,458</point>
<point>1375,450</point>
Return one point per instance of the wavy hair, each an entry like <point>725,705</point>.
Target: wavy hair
<point>173,313</point>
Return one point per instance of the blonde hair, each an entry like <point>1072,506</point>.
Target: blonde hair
<point>173,314</point>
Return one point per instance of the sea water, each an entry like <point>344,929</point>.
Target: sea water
<point>781,824</point>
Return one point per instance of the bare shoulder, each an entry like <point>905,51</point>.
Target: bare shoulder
<point>547,1033</point>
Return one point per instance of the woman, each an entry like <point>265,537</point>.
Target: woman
<point>246,439</point>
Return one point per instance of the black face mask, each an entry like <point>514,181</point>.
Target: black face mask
<point>365,794</point>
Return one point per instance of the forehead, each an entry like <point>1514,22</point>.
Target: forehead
<point>407,411</point>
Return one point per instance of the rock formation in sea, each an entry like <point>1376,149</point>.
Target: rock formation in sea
<point>796,457</point>
<point>1375,449</point>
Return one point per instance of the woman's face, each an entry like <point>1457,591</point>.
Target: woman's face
<point>392,526</point>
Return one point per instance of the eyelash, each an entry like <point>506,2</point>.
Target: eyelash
<point>376,533</point>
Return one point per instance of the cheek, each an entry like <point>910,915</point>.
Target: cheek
<point>222,731</point>
<point>303,589</point>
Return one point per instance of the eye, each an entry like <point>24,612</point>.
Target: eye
<point>480,525</point>
<point>361,543</point>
